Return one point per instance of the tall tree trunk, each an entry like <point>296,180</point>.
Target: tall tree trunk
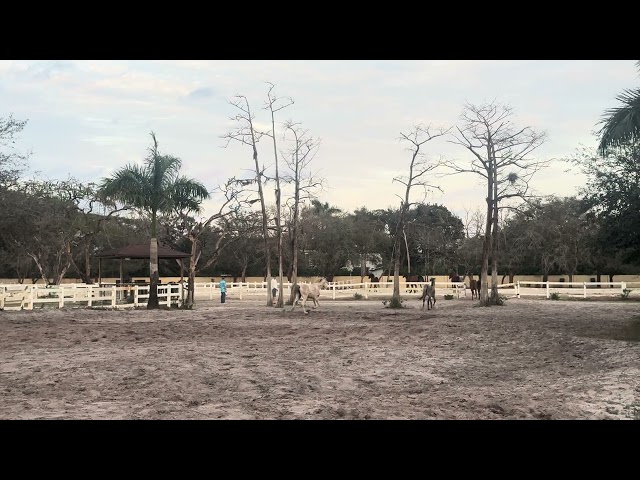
<point>406,244</point>
<point>363,267</point>
<point>396,276</point>
<point>296,220</point>
<point>191,285</point>
<point>87,264</point>
<point>154,276</point>
<point>486,248</point>
<point>265,232</point>
<point>280,301</point>
<point>494,240</point>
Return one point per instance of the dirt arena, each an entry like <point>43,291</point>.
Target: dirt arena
<point>529,359</point>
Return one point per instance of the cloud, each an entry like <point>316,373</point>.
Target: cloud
<point>200,93</point>
<point>87,114</point>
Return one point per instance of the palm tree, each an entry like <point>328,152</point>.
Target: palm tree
<point>621,124</point>
<point>155,187</point>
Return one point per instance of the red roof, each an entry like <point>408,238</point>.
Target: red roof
<point>142,250</point>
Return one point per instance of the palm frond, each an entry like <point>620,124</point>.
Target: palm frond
<point>130,185</point>
<point>187,194</point>
<point>621,124</point>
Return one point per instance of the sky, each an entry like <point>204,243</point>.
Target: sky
<point>88,118</point>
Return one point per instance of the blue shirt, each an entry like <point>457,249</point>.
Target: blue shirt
<point>223,286</point>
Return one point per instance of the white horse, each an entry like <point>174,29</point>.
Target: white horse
<point>429,294</point>
<point>306,290</point>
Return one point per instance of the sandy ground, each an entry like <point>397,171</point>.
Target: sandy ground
<point>529,359</point>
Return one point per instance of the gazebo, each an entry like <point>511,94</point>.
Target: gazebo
<point>140,251</point>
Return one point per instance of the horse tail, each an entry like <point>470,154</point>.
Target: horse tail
<point>423,294</point>
<point>296,293</point>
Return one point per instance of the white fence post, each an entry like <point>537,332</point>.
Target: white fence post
<point>135,296</point>
<point>623,287</point>
<point>113,296</point>
<point>584,289</point>
<point>518,289</point>
<point>211,291</point>
<point>61,297</point>
<point>366,290</point>
<point>548,289</point>
<point>89,295</point>
<point>33,292</point>
<point>334,291</point>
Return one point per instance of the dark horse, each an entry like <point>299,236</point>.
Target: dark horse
<point>454,277</point>
<point>411,282</point>
<point>474,286</point>
<point>374,279</point>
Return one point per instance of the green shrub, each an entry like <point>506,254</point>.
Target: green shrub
<point>358,296</point>
<point>448,296</point>
<point>555,296</point>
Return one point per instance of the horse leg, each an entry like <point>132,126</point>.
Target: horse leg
<point>295,302</point>
<point>304,302</point>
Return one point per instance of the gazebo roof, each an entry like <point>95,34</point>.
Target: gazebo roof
<point>142,250</point>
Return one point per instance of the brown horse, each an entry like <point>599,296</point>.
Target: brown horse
<point>473,286</point>
<point>374,279</point>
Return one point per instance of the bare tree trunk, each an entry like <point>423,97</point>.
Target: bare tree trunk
<point>363,267</point>
<point>40,268</point>
<point>396,276</point>
<point>486,248</point>
<point>244,273</point>
<point>494,241</point>
<point>191,285</point>
<point>87,265</point>
<point>406,244</point>
<point>154,277</point>
<point>271,106</point>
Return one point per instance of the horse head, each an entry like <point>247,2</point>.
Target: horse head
<point>323,282</point>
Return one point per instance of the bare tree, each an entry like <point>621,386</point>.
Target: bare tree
<point>246,134</point>
<point>419,168</point>
<point>501,155</point>
<point>274,104</point>
<point>193,230</point>
<point>303,150</point>
<point>474,222</point>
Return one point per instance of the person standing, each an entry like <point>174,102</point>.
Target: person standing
<point>274,289</point>
<point>223,290</point>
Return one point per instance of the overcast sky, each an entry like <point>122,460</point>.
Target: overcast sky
<point>89,118</point>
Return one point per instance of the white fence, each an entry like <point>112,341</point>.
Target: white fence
<point>570,289</point>
<point>17,296</point>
